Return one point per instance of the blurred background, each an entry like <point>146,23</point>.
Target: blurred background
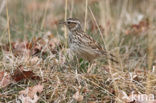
<point>28,18</point>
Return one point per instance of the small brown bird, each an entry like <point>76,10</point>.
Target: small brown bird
<point>84,46</point>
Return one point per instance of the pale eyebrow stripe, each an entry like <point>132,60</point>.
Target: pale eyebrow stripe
<point>74,21</point>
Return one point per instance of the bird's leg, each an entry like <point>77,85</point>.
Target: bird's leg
<point>91,64</point>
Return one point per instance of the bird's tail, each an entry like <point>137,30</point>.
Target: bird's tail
<point>112,58</point>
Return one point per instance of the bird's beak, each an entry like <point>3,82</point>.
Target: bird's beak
<point>62,22</point>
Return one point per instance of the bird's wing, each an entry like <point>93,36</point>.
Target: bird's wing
<point>90,42</point>
<point>91,45</point>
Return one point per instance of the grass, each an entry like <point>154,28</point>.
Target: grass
<point>110,22</point>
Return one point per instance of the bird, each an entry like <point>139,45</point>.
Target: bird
<point>83,45</point>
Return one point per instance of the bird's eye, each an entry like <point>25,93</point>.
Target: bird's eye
<point>68,22</point>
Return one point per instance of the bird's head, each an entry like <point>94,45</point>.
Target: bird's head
<point>72,24</point>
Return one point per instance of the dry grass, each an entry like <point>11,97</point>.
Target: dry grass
<point>126,27</point>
